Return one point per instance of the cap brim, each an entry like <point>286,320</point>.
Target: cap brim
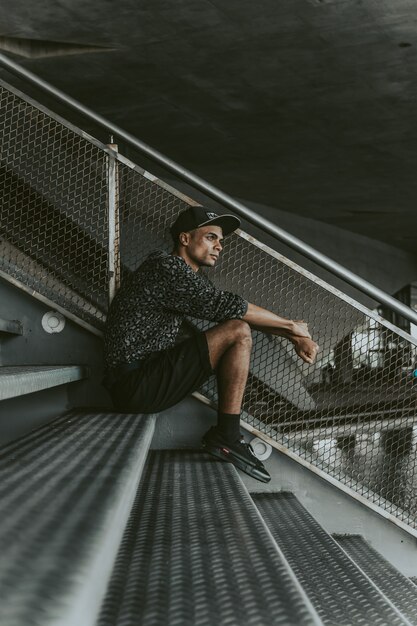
<point>228,223</point>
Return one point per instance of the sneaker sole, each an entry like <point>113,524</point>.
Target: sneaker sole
<point>251,470</point>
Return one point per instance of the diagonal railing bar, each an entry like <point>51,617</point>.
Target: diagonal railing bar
<point>351,416</point>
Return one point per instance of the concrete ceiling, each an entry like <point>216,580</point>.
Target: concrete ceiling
<point>304,105</point>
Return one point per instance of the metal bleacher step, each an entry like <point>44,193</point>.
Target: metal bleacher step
<point>398,588</point>
<point>339,590</point>
<point>20,380</point>
<point>11,327</point>
<point>196,552</point>
<point>66,492</point>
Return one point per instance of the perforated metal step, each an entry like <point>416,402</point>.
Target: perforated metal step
<point>11,327</point>
<point>197,553</point>
<point>398,588</point>
<point>66,491</point>
<point>340,592</point>
<point>20,380</point>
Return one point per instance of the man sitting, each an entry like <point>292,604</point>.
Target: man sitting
<point>147,371</point>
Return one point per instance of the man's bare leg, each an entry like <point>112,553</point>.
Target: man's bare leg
<point>230,345</point>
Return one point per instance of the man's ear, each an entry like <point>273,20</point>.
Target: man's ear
<point>184,239</point>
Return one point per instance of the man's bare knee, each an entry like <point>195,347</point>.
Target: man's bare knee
<point>235,331</point>
<point>227,335</point>
<point>241,331</point>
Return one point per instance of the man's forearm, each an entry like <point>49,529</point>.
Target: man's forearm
<point>294,330</point>
<point>268,322</point>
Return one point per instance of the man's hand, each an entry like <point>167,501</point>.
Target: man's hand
<point>306,348</point>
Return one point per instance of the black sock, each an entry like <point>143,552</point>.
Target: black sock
<point>229,425</point>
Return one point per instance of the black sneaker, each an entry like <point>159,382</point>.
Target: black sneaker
<point>239,453</point>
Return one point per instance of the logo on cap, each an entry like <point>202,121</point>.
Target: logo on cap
<point>211,216</point>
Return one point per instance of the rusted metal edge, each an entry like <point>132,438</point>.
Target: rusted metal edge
<point>12,327</point>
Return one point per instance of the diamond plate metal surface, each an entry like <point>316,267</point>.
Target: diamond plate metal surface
<point>398,588</point>
<point>19,380</point>
<point>195,553</point>
<point>341,594</point>
<point>56,484</point>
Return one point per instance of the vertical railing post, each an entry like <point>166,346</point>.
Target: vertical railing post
<point>113,223</point>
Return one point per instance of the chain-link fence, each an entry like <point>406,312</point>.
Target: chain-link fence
<point>352,414</point>
<point>53,220</point>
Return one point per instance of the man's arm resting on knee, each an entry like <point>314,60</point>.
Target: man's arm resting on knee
<point>295,331</point>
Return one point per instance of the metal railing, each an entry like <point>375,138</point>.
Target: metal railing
<point>210,190</point>
<point>77,216</point>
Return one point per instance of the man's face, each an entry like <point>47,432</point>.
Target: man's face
<point>204,245</point>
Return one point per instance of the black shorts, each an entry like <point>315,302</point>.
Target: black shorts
<point>164,378</point>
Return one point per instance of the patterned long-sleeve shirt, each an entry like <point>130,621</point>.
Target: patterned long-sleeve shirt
<point>147,312</point>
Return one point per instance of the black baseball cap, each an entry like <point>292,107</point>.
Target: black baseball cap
<point>198,216</point>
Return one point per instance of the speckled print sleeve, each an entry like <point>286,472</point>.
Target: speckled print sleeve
<point>191,293</point>
<point>147,312</point>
